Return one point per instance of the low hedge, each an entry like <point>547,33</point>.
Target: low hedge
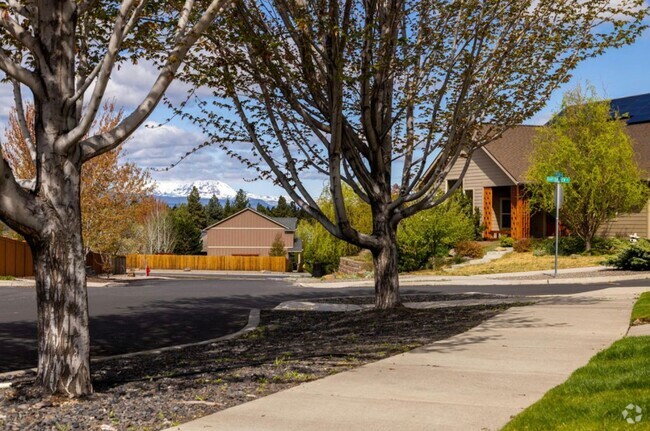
<point>471,249</point>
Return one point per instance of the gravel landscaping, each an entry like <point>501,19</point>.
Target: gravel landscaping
<point>153,392</point>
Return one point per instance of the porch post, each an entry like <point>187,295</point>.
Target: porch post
<point>519,212</point>
<point>487,212</point>
<point>515,217</point>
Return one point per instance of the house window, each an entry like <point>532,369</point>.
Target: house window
<point>505,214</point>
<point>451,183</point>
<point>470,195</point>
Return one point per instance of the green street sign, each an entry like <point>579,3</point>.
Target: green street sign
<point>558,179</point>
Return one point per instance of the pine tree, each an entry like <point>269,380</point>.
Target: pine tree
<point>213,211</point>
<point>282,209</point>
<point>195,208</point>
<point>263,210</point>
<point>227,209</point>
<point>277,248</point>
<point>188,234</point>
<point>241,201</point>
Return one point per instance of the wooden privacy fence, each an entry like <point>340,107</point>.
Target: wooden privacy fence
<point>216,263</point>
<point>15,258</point>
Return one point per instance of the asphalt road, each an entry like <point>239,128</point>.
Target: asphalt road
<point>150,314</point>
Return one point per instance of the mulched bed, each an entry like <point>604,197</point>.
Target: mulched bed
<point>433,297</point>
<point>153,392</point>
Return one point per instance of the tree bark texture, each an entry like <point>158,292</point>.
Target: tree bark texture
<point>60,268</point>
<point>385,262</point>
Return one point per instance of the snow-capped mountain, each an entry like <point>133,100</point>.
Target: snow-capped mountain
<point>206,188</point>
<point>175,193</point>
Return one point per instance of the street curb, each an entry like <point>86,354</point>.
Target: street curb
<point>253,323</point>
<point>476,281</point>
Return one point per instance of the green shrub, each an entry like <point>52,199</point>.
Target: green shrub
<point>574,245</point>
<point>471,249</point>
<point>430,234</point>
<point>635,257</point>
<point>507,241</point>
<point>523,245</point>
<point>600,245</point>
<point>568,245</point>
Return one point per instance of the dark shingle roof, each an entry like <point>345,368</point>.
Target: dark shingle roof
<point>297,246</point>
<point>513,150</point>
<point>289,222</point>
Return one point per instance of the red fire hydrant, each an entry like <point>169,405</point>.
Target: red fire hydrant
<point>147,270</point>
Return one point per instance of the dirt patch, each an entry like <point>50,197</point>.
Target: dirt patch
<point>153,392</point>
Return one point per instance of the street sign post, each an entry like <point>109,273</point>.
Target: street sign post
<point>558,179</point>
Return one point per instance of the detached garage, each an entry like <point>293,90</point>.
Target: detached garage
<point>250,233</point>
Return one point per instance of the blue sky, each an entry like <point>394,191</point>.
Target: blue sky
<point>618,73</point>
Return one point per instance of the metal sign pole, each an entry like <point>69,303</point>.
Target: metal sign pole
<point>557,224</point>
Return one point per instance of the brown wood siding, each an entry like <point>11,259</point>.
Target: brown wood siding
<point>628,224</point>
<point>247,234</point>
<point>248,219</point>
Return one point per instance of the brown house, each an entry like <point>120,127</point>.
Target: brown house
<point>496,176</point>
<point>250,233</point>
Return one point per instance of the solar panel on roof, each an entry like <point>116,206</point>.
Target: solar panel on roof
<point>637,108</point>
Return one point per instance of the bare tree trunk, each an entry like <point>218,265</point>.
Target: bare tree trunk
<point>60,266</point>
<point>386,272</point>
<point>63,341</point>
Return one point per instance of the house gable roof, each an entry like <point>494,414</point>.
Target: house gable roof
<point>288,223</point>
<point>513,150</point>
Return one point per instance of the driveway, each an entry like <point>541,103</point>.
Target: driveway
<point>156,313</point>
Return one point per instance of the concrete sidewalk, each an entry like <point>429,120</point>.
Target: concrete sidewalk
<point>473,381</point>
<point>490,279</point>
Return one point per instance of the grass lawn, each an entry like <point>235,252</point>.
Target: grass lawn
<point>7,277</point>
<point>594,397</point>
<point>641,310</point>
<point>519,262</point>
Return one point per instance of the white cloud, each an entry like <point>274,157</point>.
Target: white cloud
<point>159,146</point>
<point>130,83</point>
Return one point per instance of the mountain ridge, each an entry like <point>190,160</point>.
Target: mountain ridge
<point>176,192</point>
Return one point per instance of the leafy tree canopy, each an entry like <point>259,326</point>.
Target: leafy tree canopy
<point>589,144</point>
